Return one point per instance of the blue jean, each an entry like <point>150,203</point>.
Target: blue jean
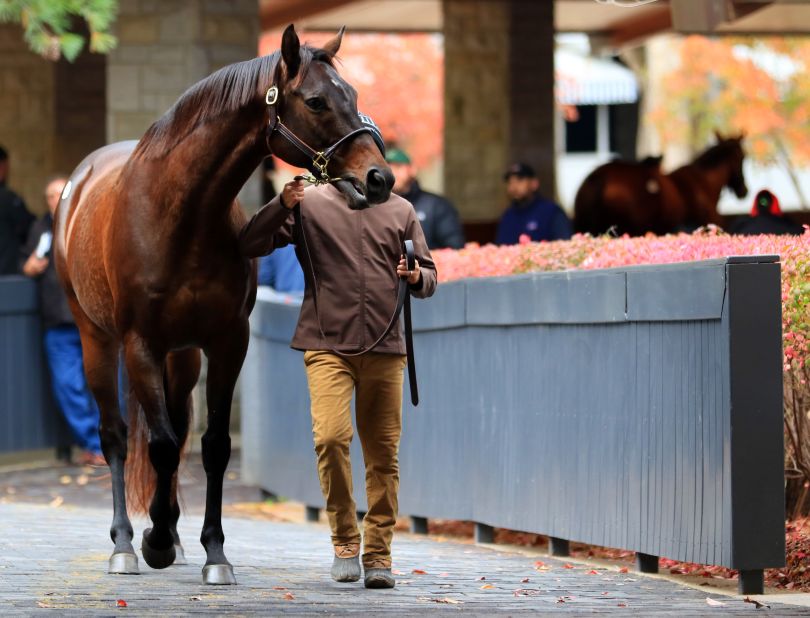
<point>64,351</point>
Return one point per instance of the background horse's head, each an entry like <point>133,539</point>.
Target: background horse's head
<point>319,108</point>
<point>733,155</point>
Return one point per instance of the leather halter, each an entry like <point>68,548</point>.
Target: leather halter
<point>319,158</point>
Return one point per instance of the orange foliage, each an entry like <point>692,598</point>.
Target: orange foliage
<point>399,80</point>
<point>718,86</point>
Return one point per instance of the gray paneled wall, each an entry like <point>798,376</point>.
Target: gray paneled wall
<point>28,417</point>
<point>638,408</point>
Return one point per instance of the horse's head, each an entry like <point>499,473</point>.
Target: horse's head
<point>314,123</point>
<point>734,155</point>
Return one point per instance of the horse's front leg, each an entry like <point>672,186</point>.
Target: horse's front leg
<point>145,369</point>
<point>225,358</point>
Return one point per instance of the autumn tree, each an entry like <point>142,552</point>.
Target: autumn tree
<point>399,80</point>
<point>54,28</point>
<point>722,84</point>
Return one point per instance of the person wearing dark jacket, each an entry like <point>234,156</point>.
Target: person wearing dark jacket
<point>352,260</point>
<point>63,347</point>
<point>15,221</point>
<point>766,218</point>
<point>437,215</point>
<point>529,213</point>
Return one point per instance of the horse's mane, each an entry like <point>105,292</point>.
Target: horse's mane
<point>717,154</point>
<point>227,90</point>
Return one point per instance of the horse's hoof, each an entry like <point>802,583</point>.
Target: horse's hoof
<point>179,555</point>
<point>156,558</point>
<point>123,563</point>
<point>218,575</point>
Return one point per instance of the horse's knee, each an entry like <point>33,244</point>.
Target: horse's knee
<point>164,452</point>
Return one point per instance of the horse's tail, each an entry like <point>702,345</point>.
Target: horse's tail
<point>588,202</point>
<point>141,478</point>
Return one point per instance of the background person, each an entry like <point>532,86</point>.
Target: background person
<point>437,215</point>
<point>529,213</point>
<point>63,347</point>
<point>355,256</point>
<point>766,218</point>
<point>15,221</point>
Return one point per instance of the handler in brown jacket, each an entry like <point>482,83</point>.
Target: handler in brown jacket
<point>356,259</point>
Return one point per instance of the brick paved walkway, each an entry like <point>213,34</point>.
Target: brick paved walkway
<point>54,560</point>
<point>54,546</point>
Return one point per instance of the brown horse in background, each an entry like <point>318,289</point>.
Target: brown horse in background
<point>636,198</point>
<point>146,247</point>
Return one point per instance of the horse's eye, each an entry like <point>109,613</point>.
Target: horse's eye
<point>316,104</point>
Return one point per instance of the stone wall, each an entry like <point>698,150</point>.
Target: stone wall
<point>499,101</point>
<point>165,47</point>
<point>51,113</point>
<point>26,115</point>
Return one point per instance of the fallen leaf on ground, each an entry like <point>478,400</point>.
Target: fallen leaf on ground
<point>43,604</point>
<point>444,574</point>
<point>65,479</point>
<point>539,563</point>
<point>560,600</point>
<point>593,572</point>
<point>482,578</point>
<point>621,605</point>
<point>568,566</point>
<point>289,596</point>
<point>624,570</point>
<point>121,603</point>
<point>56,501</point>
<point>279,588</point>
<point>448,600</point>
<point>525,580</point>
<point>82,479</point>
<point>756,603</point>
<point>419,572</point>
<point>526,592</point>
<point>487,587</point>
<point>195,598</point>
<point>397,572</point>
<point>714,603</point>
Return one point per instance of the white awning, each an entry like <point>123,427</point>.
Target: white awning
<point>586,80</point>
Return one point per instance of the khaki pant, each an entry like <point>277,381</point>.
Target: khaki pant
<point>377,380</point>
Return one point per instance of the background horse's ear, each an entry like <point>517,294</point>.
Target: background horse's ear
<point>718,136</point>
<point>333,45</point>
<point>291,51</point>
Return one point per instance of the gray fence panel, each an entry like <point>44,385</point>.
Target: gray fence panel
<point>28,417</point>
<point>649,418</point>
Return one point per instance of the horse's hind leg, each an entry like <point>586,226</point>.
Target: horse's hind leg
<point>225,359</point>
<point>145,370</point>
<point>101,369</point>
<point>182,371</point>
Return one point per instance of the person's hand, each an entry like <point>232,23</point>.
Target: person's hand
<point>292,193</point>
<point>35,266</point>
<point>414,275</point>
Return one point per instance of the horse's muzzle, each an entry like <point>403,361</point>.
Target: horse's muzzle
<point>378,185</point>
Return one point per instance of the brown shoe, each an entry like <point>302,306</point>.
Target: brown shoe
<point>346,565</point>
<point>95,460</point>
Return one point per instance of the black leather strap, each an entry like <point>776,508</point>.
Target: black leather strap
<point>403,300</point>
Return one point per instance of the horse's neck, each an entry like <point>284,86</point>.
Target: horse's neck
<point>207,169</point>
<point>707,182</point>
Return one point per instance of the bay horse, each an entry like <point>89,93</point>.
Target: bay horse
<point>146,247</point>
<point>637,198</point>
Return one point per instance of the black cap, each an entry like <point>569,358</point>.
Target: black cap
<point>521,170</point>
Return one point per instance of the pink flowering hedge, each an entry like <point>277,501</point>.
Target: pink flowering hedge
<point>587,253</point>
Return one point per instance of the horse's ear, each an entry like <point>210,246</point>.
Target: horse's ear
<point>741,136</point>
<point>291,51</point>
<point>333,45</point>
<point>718,136</point>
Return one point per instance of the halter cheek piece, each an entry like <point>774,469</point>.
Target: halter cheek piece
<point>319,158</point>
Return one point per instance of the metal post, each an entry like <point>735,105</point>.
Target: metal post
<point>484,533</point>
<point>558,547</point>
<point>751,582</point>
<point>646,563</point>
<point>419,525</point>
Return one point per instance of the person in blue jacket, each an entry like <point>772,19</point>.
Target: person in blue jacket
<point>281,271</point>
<point>529,213</point>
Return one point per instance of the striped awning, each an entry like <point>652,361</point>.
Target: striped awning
<point>586,80</point>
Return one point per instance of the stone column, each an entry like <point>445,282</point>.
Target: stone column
<point>164,47</point>
<point>499,100</point>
